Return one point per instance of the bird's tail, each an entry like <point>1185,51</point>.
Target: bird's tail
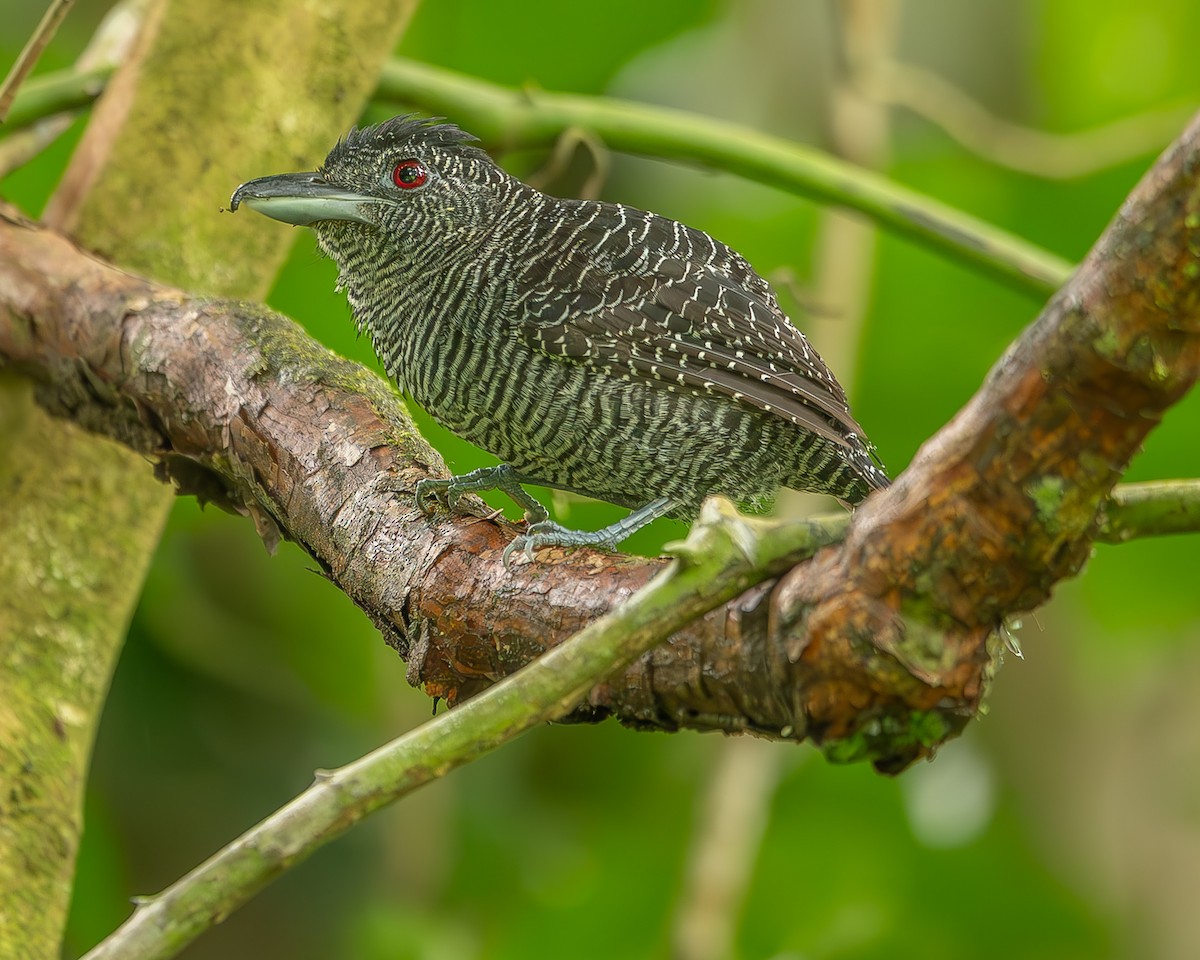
<point>850,475</point>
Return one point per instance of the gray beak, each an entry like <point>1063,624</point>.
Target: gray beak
<point>302,199</point>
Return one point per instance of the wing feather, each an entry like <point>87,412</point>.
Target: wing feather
<point>655,310</point>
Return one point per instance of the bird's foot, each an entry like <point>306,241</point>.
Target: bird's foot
<point>501,478</point>
<point>547,533</point>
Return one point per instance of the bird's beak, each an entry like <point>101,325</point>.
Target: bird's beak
<point>302,199</point>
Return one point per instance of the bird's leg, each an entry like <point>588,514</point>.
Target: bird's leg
<point>547,533</point>
<point>502,478</point>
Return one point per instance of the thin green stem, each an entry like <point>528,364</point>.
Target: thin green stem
<point>57,92</point>
<point>42,35</point>
<point>1153,509</point>
<point>723,555</point>
<point>511,118</point>
<point>534,118</point>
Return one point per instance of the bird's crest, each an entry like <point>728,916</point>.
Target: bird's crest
<point>403,131</point>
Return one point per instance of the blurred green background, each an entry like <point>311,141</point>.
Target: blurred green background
<point>1064,824</point>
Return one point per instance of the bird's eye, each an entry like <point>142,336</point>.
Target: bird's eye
<point>409,174</point>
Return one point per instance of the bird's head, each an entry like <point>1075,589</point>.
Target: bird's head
<point>408,183</point>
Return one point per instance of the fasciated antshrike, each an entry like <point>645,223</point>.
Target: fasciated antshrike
<point>590,346</point>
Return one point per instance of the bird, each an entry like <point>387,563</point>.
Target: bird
<point>589,346</point>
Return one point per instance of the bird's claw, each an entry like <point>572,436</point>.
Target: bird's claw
<point>523,544</point>
<point>547,533</point>
<point>442,492</point>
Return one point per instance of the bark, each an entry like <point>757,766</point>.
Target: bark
<point>196,108</point>
<point>1006,500</point>
<point>878,649</point>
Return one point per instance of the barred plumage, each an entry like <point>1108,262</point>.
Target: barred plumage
<point>590,346</point>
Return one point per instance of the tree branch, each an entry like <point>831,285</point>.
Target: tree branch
<point>29,54</point>
<point>712,566</point>
<point>1152,509</point>
<point>879,648</point>
<point>1007,499</point>
<point>59,91</point>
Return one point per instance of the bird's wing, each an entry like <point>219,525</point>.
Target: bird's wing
<point>684,310</point>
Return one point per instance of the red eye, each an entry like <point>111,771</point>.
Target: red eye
<point>409,174</point>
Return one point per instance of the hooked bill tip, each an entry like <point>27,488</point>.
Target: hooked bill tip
<point>301,199</point>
